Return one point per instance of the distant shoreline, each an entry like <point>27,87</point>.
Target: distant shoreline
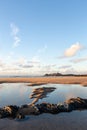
<point>82,80</point>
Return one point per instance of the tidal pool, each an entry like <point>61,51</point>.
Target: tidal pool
<point>20,93</point>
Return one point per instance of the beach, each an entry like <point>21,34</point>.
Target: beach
<point>45,80</point>
<point>75,120</point>
<point>64,121</point>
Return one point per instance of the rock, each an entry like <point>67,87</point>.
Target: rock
<point>11,110</point>
<point>76,103</point>
<point>25,106</point>
<point>47,108</point>
<point>42,107</point>
<point>29,110</point>
<point>53,109</point>
<point>20,112</point>
<point>20,116</point>
<point>3,113</point>
<point>61,108</point>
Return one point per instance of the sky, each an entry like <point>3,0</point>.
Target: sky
<point>43,36</point>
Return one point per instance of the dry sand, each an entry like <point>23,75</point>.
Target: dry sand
<point>44,80</point>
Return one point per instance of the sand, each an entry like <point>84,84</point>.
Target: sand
<point>76,120</point>
<point>45,80</point>
<point>65,121</point>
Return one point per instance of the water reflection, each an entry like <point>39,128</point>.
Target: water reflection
<point>20,93</point>
<point>40,93</point>
<point>14,93</point>
<point>61,93</point>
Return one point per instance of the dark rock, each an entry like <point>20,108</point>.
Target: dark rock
<point>53,74</point>
<point>61,108</point>
<point>3,113</point>
<point>53,108</point>
<point>20,116</point>
<point>76,103</point>
<point>25,106</point>
<point>42,107</point>
<point>29,110</point>
<point>11,110</point>
<point>47,108</point>
<point>20,113</point>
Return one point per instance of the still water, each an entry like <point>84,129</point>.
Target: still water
<point>20,93</point>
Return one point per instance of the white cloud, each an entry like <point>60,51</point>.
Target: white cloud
<point>35,59</point>
<point>47,68</point>
<point>24,63</point>
<point>79,60</point>
<point>2,64</point>
<point>69,70</point>
<point>72,50</point>
<point>15,31</point>
<point>20,62</point>
<point>65,67</point>
<point>10,55</point>
<point>26,66</point>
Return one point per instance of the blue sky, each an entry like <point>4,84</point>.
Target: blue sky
<point>43,36</point>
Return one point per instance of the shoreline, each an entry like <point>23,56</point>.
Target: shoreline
<point>45,80</point>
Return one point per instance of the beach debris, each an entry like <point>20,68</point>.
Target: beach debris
<point>20,112</point>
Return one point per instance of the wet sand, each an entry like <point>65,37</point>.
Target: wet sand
<point>45,80</point>
<point>65,121</point>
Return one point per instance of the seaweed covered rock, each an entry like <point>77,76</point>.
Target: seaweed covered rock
<point>9,111</point>
<point>3,113</point>
<point>20,112</point>
<point>29,110</point>
<point>76,103</point>
<point>48,108</point>
<point>61,108</point>
<point>20,116</point>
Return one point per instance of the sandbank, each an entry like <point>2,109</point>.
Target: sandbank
<point>45,80</point>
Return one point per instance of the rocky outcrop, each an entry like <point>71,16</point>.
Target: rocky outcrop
<point>76,103</point>
<point>48,108</point>
<point>9,111</point>
<point>20,112</point>
<point>53,74</point>
<point>29,110</point>
<point>59,74</point>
